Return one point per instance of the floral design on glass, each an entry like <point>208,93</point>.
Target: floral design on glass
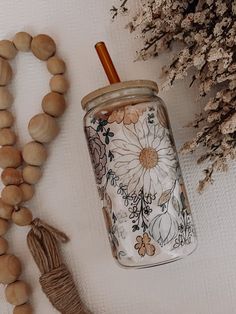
<point>107,212</point>
<point>98,153</point>
<point>172,225</point>
<point>137,204</point>
<point>137,170</point>
<point>144,246</point>
<point>127,115</point>
<point>164,227</point>
<point>185,227</point>
<point>144,158</point>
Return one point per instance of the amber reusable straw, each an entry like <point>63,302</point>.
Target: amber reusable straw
<point>107,63</point>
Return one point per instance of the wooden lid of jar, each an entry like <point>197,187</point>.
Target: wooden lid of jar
<point>116,87</point>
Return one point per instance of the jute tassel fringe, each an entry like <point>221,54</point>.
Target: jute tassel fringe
<point>56,280</point>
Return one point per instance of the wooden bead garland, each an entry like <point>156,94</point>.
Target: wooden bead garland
<point>6,119</point>
<point>34,154</point>
<point>6,98</point>
<point>43,47</point>
<point>11,176</point>
<point>22,41</point>
<point>10,268</point>
<point>56,65</point>
<point>7,137</point>
<point>23,309</point>
<point>27,191</point>
<point>9,157</point>
<point>59,84</point>
<point>3,226</point>
<point>5,72</point>
<point>32,174</point>
<point>19,184</point>
<point>43,128</point>
<point>12,195</point>
<point>54,104</point>
<point>7,49</point>
<point>5,210</point>
<point>22,217</point>
<point>17,293</point>
<point>3,246</point>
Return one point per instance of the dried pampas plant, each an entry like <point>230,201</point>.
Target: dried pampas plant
<point>208,31</point>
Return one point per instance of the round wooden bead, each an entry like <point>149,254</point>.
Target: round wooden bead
<point>12,195</point>
<point>6,98</point>
<point>34,153</point>
<point>7,49</point>
<point>22,41</point>
<point>43,46</point>
<point>23,309</point>
<point>32,174</point>
<point>17,293</point>
<point>22,217</point>
<point>4,225</point>
<point>11,176</point>
<point>6,119</point>
<point>27,191</point>
<point>9,157</point>
<point>59,84</point>
<point>3,246</point>
<point>10,268</point>
<point>56,65</point>
<point>5,210</point>
<point>5,72</point>
<point>54,104</point>
<point>7,137</point>
<point>43,128</point>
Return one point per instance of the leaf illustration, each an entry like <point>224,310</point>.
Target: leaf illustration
<point>176,204</point>
<point>165,197</point>
<point>122,254</point>
<point>135,228</point>
<point>114,218</point>
<point>99,128</point>
<point>163,228</point>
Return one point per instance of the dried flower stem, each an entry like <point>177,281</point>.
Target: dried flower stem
<point>208,31</point>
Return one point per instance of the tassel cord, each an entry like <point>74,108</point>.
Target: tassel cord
<point>56,280</point>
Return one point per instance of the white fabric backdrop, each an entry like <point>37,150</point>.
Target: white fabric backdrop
<point>67,198</point>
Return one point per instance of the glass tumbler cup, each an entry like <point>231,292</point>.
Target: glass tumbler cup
<point>138,176</point>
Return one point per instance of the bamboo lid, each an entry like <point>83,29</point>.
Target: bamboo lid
<point>118,87</point>
<point>113,77</point>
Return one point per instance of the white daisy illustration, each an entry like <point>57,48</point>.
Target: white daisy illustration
<point>144,158</point>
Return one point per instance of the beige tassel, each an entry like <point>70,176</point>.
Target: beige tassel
<point>56,280</point>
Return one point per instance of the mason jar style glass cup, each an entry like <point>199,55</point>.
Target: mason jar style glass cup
<point>138,176</point>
